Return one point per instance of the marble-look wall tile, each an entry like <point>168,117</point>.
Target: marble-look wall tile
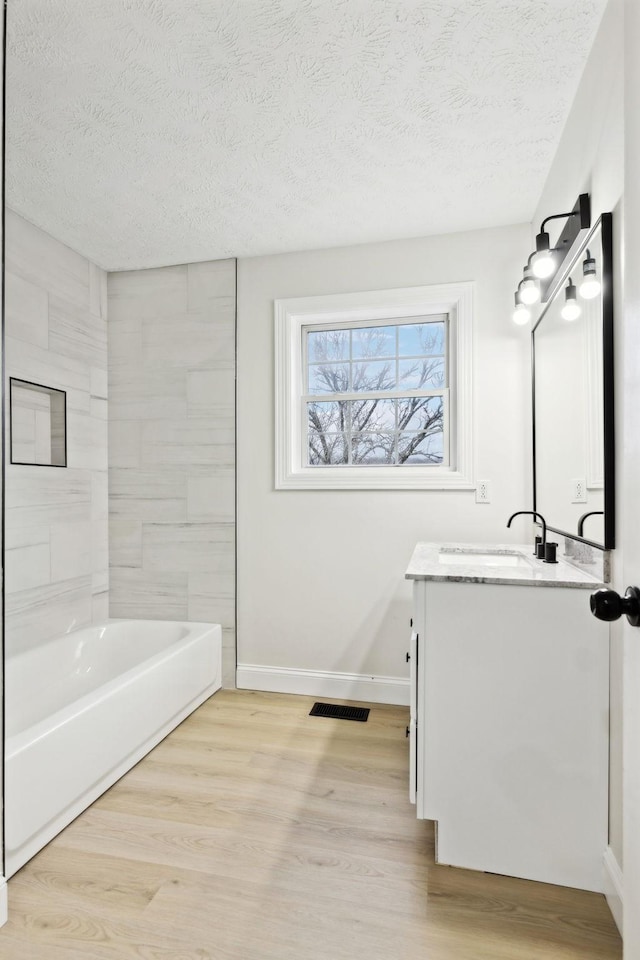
<point>70,550</point>
<point>97,291</point>
<point>27,566</point>
<point>209,282</point>
<point>183,341</point>
<point>35,256</point>
<point>125,543</point>
<point>98,382</point>
<point>172,445</point>
<point>75,332</point>
<point>148,595</point>
<point>211,393</point>
<point>100,582</point>
<point>56,519</point>
<point>137,294</point>
<point>213,598</point>
<point>25,535</point>
<point>99,547</point>
<point>212,610</point>
<point>212,497</point>
<point>27,311</point>
<point>87,439</point>
<point>125,344</point>
<point>39,614</point>
<point>147,393</point>
<point>100,607</point>
<point>99,495</point>
<point>191,547</point>
<point>29,486</point>
<point>145,494</point>
<point>45,514</point>
<point>170,442</point>
<point>125,443</point>
<point>27,361</point>
<point>229,656</point>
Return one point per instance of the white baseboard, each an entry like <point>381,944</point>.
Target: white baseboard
<point>317,683</point>
<point>4,902</point>
<point>613,887</point>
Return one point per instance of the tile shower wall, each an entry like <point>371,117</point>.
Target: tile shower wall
<point>172,445</point>
<point>57,570</point>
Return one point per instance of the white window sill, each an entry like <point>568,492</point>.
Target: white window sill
<point>375,478</point>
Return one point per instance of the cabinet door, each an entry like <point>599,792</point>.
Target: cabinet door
<point>413,715</point>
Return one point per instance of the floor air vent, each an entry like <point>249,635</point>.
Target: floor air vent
<point>339,712</point>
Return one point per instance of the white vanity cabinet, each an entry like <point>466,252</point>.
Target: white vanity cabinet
<point>509,721</point>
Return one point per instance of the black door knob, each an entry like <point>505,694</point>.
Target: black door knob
<point>608,605</point>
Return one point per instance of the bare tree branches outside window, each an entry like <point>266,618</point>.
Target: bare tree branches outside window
<point>376,395</point>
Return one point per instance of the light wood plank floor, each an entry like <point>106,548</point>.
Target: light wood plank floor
<point>256,832</point>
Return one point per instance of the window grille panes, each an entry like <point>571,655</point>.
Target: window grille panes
<point>377,395</point>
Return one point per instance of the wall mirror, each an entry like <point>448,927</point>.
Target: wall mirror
<point>573,431</point>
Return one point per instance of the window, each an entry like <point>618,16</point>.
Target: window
<point>373,390</point>
<point>377,394</point>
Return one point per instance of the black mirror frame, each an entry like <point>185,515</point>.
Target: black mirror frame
<point>604,224</point>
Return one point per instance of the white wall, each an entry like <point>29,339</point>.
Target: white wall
<point>320,574</point>
<point>590,158</point>
<point>57,576</point>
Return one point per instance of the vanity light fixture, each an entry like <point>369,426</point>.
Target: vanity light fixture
<point>521,314</point>
<point>590,286</point>
<point>545,262</point>
<point>571,309</point>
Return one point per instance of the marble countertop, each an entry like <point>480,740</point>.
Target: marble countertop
<point>454,562</point>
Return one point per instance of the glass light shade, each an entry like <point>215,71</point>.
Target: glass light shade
<point>543,264</point>
<point>590,287</point>
<point>529,291</point>
<point>521,314</point>
<point>571,310</point>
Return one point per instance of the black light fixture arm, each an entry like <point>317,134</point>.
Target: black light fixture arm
<point>558,216</point>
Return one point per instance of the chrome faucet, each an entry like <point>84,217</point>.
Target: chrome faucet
<point>533,513</point>
<point>590,513</point>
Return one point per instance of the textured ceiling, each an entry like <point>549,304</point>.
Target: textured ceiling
<point>149,132</point>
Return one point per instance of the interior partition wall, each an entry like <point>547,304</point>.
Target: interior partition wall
<point>172,361</point>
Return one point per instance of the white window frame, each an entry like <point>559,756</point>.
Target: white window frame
<point>293,316</point>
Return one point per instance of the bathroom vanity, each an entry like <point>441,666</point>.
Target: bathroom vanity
<point>509,712</point>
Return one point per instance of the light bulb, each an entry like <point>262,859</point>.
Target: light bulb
<point>521,314</point>
<point>590,286</point>
<point>529,290</point>
<point>543,264</point>
<point>571,309</point>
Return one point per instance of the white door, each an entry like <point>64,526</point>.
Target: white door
<point>629,535</point>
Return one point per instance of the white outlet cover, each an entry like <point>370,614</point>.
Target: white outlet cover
<point>483,491</point>
<point>578,490</point>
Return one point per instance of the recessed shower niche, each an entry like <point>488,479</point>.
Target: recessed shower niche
<point>38,424</point>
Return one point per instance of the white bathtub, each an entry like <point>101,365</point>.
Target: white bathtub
<point>83,709</point>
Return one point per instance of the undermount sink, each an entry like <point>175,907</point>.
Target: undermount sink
<point>484,558</point>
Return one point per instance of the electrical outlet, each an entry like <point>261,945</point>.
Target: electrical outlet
<point>483,491</point>
<point>579,490</point>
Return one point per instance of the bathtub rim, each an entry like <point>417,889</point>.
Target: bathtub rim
<point>15,743</point>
